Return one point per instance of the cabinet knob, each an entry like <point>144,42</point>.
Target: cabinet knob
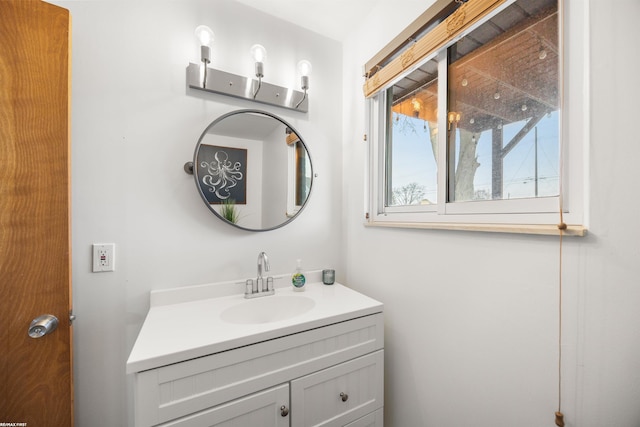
<point>284,411</point>
<point>344,397</point>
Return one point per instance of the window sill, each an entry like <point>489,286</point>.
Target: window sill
<point>546,229</point>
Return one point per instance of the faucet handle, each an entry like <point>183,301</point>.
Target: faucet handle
<point>269,283</point>
<point>248,287</point>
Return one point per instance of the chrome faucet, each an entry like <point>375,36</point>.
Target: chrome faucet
<point>260,287</point>
<point>263,262</point>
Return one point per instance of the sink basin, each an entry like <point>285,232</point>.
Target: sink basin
<point>267,309</point>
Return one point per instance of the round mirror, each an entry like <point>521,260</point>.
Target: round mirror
<point>253,170</point>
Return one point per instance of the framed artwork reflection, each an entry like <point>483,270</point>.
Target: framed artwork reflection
<point>222,173</point>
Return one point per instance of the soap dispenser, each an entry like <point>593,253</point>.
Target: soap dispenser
<point>297,278</point>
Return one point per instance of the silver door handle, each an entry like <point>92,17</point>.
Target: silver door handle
<point>43,325</point>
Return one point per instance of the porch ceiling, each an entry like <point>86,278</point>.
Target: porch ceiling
<point>505,71</point>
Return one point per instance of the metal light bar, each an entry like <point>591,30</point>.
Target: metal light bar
<point>242,87</point>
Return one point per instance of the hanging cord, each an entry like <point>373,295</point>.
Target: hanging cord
<point>559,415</point>
<point>562,226</point>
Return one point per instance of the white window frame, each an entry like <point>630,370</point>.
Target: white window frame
<point>531,215</point>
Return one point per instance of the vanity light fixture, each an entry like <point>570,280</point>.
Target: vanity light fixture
<point>221,82</point>
<point>259,55</point>
<point>205,35</point>
<point>304,68</point>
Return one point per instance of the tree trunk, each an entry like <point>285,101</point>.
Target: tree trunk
<point>467,166</point>
<point>433,135</point>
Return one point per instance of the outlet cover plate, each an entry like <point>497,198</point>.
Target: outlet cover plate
<point>104,257</point>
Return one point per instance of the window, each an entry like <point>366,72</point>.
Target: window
<point>475,132</point>
<point>412,141</point>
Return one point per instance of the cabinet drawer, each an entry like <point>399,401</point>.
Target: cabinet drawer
<point>339,395</point>
<point>259,409</point>
<point>374,419</point>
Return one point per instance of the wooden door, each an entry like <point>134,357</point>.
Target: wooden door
<point>35,374</point>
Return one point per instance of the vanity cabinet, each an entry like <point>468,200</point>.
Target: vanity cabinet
<point>326,376</point>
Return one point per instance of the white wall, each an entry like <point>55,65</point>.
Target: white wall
<point>134,126</point>
<point>471,318</point>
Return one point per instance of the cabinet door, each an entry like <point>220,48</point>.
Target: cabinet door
<point>339,395</point>
<point>263,409</point>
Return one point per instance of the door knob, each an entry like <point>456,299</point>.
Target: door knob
<point>43,325</point>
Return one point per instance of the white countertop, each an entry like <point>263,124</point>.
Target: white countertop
<point>193,328</point>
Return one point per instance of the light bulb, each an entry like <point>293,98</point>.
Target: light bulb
<point>416,104</point>
<point>258,53</point>
<point>465,82</point>
<point>204,35</point>
<point>304,68</point>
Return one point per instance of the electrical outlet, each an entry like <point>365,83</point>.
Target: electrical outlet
<point>104,257</point>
